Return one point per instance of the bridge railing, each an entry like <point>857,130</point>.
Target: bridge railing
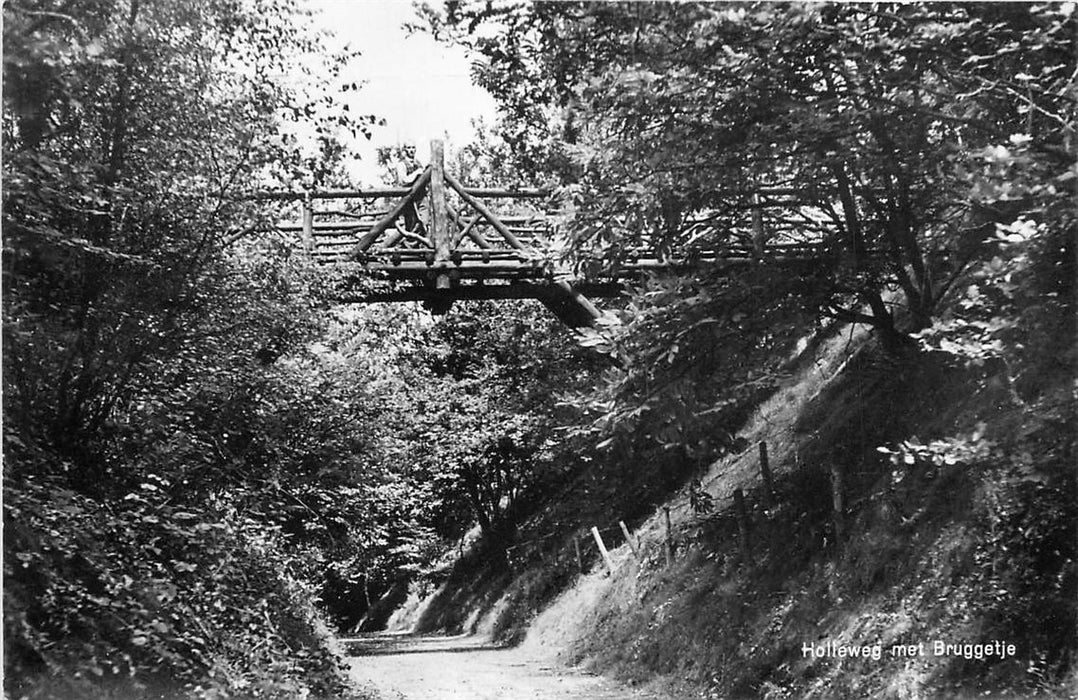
<point>442,231</point>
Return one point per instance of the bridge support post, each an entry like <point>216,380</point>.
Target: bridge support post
<point>439,210</point>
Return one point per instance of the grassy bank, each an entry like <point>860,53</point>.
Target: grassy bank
<point>960,530</point>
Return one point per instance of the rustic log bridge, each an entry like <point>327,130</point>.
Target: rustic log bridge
<point>447,242</point>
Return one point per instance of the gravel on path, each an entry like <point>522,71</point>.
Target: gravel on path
<point>406,667</point>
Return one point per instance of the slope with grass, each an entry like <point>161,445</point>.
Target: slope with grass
<point>957,527</point>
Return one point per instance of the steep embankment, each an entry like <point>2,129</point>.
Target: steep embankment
<point>962,534</point>
<point>951,544</point>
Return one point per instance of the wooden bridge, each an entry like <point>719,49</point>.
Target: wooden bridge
<point>439,241</point>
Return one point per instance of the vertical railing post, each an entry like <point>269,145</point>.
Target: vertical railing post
<point>308,224</point>
<point>438,209</point>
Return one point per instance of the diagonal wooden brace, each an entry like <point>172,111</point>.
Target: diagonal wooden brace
<point>417,191</point>
<point>467,231</point>
<point>485,213</point>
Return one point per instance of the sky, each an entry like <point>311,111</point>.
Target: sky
<point>420,87</point>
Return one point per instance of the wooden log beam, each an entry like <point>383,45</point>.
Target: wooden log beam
<point>477,238</point>
<point>419,269</point>
<point>421,253</point>
<point>570,306</point>
<point>507,193</point>
<point>528,193</point>
<point>293,196</point>
<point>379,228</point>
<point>579,299</point>
<point>438,209</point>
<point>468,231</point>
<point>319,227</point>
<point>463,292</point>
<point>373,214</point>
<point>308,225</point>
<point>491,261</point>
<point>425,290</point>
<point>485,212</point>
<point>387,192</point>
<point>535,219</point>
<point>391,240</point>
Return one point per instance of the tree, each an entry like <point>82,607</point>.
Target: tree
<point>474,403</point>
<point>135,196</point>
<point>151,481</point>
<point>864,130</point>
<point>852,126</point>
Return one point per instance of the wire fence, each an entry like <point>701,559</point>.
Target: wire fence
<point>584,549</point>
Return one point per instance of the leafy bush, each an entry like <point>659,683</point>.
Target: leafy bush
<point>144,595</point>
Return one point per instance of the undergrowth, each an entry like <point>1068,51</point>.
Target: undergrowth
<point>140,597</point>
<point>944,542</point>
<point>958,523</point>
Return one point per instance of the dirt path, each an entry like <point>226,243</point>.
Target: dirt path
<point>402,667</point>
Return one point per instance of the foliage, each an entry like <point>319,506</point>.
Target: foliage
<point>173,469</point>
<point>1016,307</point>
<point>691,355</point>
<point>687,110</point>
<point>148,595</point>
<point>960,449</point>
<point>895,138</point>
<point>468,409</point>
<point>118,204</point>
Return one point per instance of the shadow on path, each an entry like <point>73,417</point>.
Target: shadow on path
<point>404,643</point>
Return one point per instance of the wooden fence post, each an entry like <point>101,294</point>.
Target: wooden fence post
<point>629,539</point>
<point>765,471</point>
<point>669,538</point>
<point>602,549</point>
<point>838,507</point>
<point>742,515</point>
